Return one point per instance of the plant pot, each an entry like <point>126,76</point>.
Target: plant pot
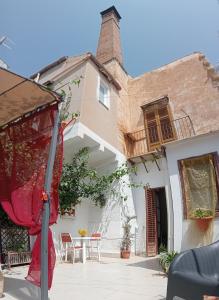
<point>125,254</point>
<point>203,223</point>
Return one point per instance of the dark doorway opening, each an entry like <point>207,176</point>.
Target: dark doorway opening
<point>162,227</point>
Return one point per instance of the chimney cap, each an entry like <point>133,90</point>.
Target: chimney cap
<point>111,9</point>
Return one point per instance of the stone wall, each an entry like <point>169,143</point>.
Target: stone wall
<point>191,85</point>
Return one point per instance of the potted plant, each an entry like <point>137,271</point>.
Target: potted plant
<point>125,249</point>
<point>203,217</point>
<point>83,232</point>
<point>166,258</point>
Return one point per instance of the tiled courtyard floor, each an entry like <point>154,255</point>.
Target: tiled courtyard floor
<point>113,279</point>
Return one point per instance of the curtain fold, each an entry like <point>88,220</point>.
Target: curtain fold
<point>24,151</point>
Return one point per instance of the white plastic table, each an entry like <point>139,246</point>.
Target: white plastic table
<point>84,240</point>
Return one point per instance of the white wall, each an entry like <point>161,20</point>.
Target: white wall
<point>154,178</point>
<point>107,220</point>
<point>186,234</point>
<point>71,225</point>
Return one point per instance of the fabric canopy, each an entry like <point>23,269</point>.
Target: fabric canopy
<point>27,117</point>
<point>19,96</point>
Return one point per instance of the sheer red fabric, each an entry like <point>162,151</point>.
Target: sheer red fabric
<point>24,150</point>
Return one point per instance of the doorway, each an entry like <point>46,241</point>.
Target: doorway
<point>156,221</point>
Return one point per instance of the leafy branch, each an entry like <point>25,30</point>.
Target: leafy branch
<point>80,181</point>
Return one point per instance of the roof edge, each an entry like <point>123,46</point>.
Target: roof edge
<point>111,9</point>
<point>104,71</point>
<point>167,65</point>
<point>88,56</point>
<point>50,66</point>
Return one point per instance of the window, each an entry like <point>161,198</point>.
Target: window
<point>158,124</point>
<point>199,181</point>
<point>103,94</point>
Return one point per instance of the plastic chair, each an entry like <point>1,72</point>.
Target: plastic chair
<point>68,246</point>
<point>194,273</point>
<point>94,243</point>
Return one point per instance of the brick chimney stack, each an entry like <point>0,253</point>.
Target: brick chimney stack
<point>109,45</point>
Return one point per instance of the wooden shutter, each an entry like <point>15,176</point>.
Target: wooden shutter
<point>166,126</point>
<point>159,126</point>
<point>151,223</point>
<point>152,129</point>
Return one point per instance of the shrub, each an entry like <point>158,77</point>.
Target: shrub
<point>166,259</point>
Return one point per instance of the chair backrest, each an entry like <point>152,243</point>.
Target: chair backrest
<point>66,239</point>
<point>96,236</point>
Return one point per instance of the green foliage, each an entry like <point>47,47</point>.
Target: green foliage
<point>166,258</point>
<point>162,248</point>
<point>126,240</point>
<point>17,247</point>
<point>64,112</point>
<point>200,213</point>
<point>81,181</point>
<point>76,81</point>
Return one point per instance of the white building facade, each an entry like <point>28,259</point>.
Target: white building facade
<point>152,121</point>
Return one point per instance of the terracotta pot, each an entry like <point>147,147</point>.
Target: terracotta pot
<point>203,223</point>
<point>125,254</point>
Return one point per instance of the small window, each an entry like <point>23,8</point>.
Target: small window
<point>103,94</point>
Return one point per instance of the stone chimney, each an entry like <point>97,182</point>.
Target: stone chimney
<point>109,45</point>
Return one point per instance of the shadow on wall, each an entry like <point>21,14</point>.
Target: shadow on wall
<point>149,263</point>
<point>193,237</point>
<point>107,212</point>
<point>21,289</point>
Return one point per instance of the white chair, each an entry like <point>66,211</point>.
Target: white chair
<point>94,243</point>
<point>68,246</point>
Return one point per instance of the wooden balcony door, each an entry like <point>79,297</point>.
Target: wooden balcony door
<point>159,126</point>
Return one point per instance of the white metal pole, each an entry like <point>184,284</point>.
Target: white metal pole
<point>46,210</point>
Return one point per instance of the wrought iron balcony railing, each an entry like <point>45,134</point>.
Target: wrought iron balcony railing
<point>148,139</point>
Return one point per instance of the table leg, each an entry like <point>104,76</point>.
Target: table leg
<point>84,252</point>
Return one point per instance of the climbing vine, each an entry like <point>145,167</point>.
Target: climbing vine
<point>80,181</point>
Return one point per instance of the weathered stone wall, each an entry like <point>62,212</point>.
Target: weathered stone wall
<point>191,85</point>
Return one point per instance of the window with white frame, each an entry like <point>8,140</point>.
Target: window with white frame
<point>104,93</point>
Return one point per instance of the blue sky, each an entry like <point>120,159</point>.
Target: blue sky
<point>153,32</point>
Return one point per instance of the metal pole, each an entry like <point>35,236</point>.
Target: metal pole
<point>46,211</point>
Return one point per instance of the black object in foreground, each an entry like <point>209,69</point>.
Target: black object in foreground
<point>195,273</point>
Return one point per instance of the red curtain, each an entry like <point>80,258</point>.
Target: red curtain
<point>24,150</point>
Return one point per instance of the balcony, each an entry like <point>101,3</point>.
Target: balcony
<point>147,140</point>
